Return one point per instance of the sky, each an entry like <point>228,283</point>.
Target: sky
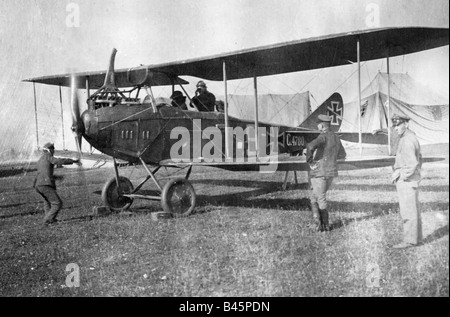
<point>43,37</point>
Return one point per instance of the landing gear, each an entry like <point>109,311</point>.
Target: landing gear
<point>177,196</point>
<point>112,195</point>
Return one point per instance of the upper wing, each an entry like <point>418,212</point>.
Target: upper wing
<point>312,53</point>
<point>300,55</point>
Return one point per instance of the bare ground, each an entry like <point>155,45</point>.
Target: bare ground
<point>247,237</point>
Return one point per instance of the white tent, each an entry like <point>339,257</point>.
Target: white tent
<point>428,110</point>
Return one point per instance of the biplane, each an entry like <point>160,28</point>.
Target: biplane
<point>120,123</point>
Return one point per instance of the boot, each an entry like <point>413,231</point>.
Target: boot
<point>317,221</point>
<point>325,224</point>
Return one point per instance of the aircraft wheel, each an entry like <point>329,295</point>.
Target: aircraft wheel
<point>113,198</point>
<point>178,197</point>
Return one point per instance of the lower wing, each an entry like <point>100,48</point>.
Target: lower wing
<point>291,164</point>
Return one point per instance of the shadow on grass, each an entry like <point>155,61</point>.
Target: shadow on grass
<point>272,185</point>
<point>12,205</point>
<point>437,234</point>
<point>251,199</point>
<point>29,213</point>
<point>393,209</point>
<point>304,185</point>
<point>15,171</point>
<point>379,212</point>
<point>386,188</point>
<point>78,219</point>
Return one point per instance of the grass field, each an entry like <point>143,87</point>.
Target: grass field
<point>247,237</point>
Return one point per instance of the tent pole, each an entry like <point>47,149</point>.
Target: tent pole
<point>389,106</point>
<point>62,117</point>
<point>35,114</point>
<point>227,152</point>
<point>255,84</point>
<point>359,95</point>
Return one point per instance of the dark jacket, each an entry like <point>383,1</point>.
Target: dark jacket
<point>323,152</point>
<point>45,167</point>
<point>205,101</point>
<point>181,106</point>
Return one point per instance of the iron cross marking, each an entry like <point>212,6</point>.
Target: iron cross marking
<point>335,112</point>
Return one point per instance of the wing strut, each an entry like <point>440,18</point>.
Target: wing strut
<point>389,105</point>
<point>35,115</point>
<point>227,149</point>
<point>153,101</point>
<point>88,87</point>
<point>255,84</point>
<point>62,117</point>
<point>359,93</point>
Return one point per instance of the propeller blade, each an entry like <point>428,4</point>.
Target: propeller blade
<point>78,143</point>
<point>77,124</point>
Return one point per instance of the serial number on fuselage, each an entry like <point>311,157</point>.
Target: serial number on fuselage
<point>295,140</point>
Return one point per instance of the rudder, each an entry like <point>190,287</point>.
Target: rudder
<point>332,107</point>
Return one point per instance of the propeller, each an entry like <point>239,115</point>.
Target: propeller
<point>77,124</point>
<point>78,131</point>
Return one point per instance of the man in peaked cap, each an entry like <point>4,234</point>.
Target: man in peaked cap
<point>406,177</point>
<point>203,99</point>
<point>399,119</point>
<point>322,154</point>
<point>45,185</point>
<point>178,100</point>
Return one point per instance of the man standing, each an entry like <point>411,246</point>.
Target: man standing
<point>322,154</point>
<point>203,99</point>
<point>406,176</point>
<point>45,182</point>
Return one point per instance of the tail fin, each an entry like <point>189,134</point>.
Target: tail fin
<point>332,107</point>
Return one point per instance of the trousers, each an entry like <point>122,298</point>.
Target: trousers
<point>320,186</point>
<point>408,197</point>
<point>52,202</point>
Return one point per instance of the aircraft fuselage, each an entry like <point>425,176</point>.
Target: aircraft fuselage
<point>128,132</point>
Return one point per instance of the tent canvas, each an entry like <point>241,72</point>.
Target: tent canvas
<point>283,109</point>
<point>429,112</point>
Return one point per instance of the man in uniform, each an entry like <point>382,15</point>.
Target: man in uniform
<point>322,154</point>
<point>45,182</point>
<point>406,177</point>
<point>203,99</point>
<point>178,100</point>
